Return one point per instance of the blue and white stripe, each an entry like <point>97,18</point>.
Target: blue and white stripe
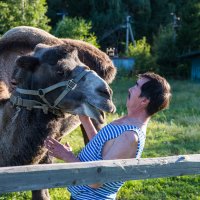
<point>93,152</point>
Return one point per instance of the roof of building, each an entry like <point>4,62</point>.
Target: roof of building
<point>191,54</point>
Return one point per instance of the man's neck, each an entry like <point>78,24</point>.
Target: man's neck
<point>142,117</point>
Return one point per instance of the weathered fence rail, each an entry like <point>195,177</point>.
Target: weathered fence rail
<point>33,177</point>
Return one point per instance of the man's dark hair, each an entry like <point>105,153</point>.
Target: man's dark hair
<point>157,90</point>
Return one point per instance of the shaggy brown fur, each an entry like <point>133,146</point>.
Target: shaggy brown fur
<point>22,40</point>
<point>94,58</point>
<point>23,126</point>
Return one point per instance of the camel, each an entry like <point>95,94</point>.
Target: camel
<point>32,98</point>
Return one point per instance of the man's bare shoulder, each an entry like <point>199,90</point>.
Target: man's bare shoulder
<point>128,137</point>
<point>122,147</point>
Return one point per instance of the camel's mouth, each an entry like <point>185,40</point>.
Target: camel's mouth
<point>91,111</point>
<point>97,112</point>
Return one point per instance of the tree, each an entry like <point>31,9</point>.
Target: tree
<point>147,17</point>
<point>79,8</point>
<point>188,38</point>
<point>165,51</point>
<point>160,16</point>
<point>23,12</point>
<point>107,16</point>
<point>140,10</point>
<point>56,10</point>
<point>75,28</point>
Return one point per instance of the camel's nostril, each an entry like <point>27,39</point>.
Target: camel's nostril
<point>104,92</point>
<point>113,109</point>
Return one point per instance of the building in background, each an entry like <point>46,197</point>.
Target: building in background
<point>194,58</point>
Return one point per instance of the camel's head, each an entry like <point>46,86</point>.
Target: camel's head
<point>55,66</point>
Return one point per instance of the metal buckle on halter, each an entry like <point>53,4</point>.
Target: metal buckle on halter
<point>71,84</point>
<point>18,101</point>
<point>40,92</point>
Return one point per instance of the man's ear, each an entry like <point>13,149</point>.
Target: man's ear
<point>145,101</point>
<point>27,62</point>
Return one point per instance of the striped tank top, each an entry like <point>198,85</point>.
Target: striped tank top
<point>93,152</point>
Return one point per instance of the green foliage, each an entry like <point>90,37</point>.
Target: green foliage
<point>75,28</point>
<point>160,15</point>
<point>165,52</point>
<point>143,59</point>
<point>81,8</point>
<point>183,70</point>
<point>107,16</point>
<point>16,13</point>
<point>147,16</point>
<point>188,38</point>
<point>56,10</point>
<point>16,196</point>
<point>140,10</point>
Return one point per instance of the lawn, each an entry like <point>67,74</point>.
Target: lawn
<point>174,131</point>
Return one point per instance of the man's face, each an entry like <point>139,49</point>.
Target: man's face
<point>134,100</point>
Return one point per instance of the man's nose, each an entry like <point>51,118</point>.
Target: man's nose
<point>131,88</point>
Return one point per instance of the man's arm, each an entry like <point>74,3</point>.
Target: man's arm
<point>122,147</point>
<point>88,126</point>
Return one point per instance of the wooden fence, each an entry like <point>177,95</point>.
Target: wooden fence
<point>33,177</point>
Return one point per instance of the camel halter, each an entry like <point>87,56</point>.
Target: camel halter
<point>46,106</point>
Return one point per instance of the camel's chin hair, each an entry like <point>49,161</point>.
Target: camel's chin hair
<point>93,112</point>
<point>90,111</point>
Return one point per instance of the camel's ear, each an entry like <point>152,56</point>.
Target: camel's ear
<point>27,62</point>
<point>74,54</point>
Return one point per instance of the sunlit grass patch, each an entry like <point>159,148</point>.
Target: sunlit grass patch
<point>174,188</point>
<point>166,139</point>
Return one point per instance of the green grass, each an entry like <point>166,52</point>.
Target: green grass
<point>174,131</point>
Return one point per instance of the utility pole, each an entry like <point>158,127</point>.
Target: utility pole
<point>128,28</point>
<point>175,24</point>
<point>129,31</point>
<point>62,14</point>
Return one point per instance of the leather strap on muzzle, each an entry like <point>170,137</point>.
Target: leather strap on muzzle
<point>46,106</point>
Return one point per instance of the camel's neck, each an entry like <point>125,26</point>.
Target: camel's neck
<point>22,135</point>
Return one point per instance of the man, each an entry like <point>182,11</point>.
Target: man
<point>121,139</point>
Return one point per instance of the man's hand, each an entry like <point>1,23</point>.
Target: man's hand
<point>57,150</point>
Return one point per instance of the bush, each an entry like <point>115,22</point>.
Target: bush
<point>75,28</point>
<point>183,70</point>
<point>23,13</point>
<point>143,59</point>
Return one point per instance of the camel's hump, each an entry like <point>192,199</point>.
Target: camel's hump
<point>30,36</point>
